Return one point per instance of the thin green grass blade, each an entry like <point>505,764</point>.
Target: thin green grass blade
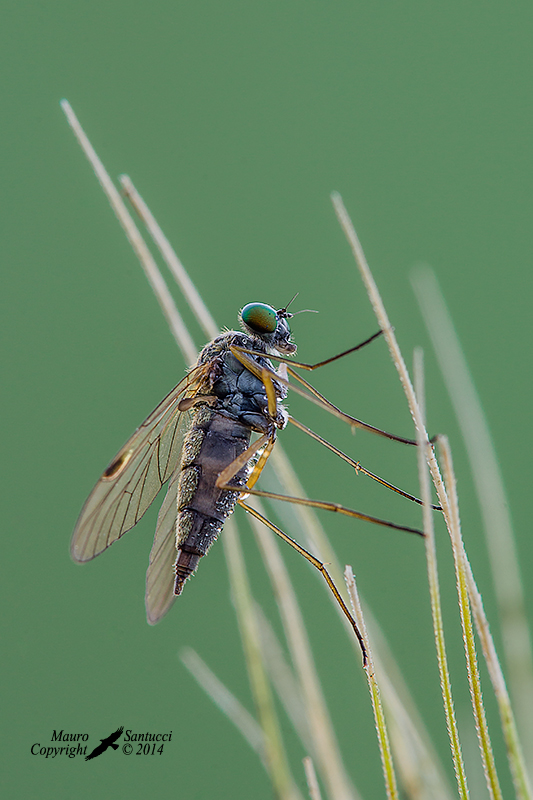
<point>492,499</point>
<point>379,717</point>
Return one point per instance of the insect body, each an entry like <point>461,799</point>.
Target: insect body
<point>220,433</point>
<point>199,440</point>
<point>196,433</point>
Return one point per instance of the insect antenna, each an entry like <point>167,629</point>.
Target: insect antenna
<point>305,311</point>
<point>287,315</point>
<point>284,309</point>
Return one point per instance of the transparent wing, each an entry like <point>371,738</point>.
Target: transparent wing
<point>160,575</point>
<point>134,477</point>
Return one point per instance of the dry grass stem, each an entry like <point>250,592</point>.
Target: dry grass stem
<point>420,771</point>
<point>312,781</point>
<point>462,593</point>
<point>226,701</point>
<point>423,451</point>
<point>284,681</point>
<point>151,270</point>
<point>379,717</point>
<point>325,747</point>
<point>491,495</point>
<point>425,769</point>
<point>405,380</point>
<point>514,749</point>
<point>388,333</point>
<point>277,764</point>
<point>462,575</point>
<point>375,299</point>
<point>189,290</point>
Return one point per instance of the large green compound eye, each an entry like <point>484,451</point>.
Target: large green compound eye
<point>260,317</point>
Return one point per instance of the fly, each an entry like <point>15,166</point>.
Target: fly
<point>198,439</point>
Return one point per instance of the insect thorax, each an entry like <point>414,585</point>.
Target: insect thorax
<point>242,395</point>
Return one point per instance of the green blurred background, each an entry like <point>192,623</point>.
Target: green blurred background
<point>236,120</point>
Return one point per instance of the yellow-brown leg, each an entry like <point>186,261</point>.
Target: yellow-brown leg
<point>304,501</point>
<point>356,464</point>
<point>267,377</point>
<point>316,563</point>
<point>240,462</point>
<point>310,367</point>
<point>243,355</point>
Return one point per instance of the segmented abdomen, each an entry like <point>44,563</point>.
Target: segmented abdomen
<point>213,442</point>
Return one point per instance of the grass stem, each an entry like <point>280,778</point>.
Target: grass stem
<point>397,358</point>
<point>379,717</point>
